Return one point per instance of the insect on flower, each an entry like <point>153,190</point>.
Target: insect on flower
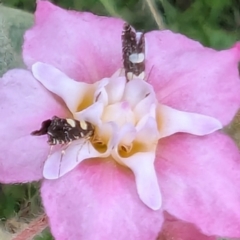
<point>133,52</point>
<point>64,131</point>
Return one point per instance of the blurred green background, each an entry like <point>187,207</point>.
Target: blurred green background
<point>215,23</point>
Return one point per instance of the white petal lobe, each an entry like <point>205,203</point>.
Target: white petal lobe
<point>63,161</point>
<point>72,92</point>
<point>171,121</point>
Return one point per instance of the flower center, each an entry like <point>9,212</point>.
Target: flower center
<point>120,113</point>
<point>127,121</point>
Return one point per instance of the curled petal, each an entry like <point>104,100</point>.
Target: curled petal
<point>59,38</point>
<point>136,90</point>
<point>147,126</point>
<point>193,78</point>
<point>91,108</point>
<point>91,114</point>
<point>100,94</point>
<point>171,121</point>
<point>141,162</point>
<point>25,103</point>
<point>107,133</point>
<point>100,195</point>
<point>146,106</point>
<point>120,113</point>
<point>126,134</point>
<point>115,89</point>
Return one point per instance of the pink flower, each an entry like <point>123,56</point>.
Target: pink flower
<point>145,167</point>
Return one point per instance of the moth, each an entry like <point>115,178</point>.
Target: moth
<point>64,131</point>
<point>133,52</point>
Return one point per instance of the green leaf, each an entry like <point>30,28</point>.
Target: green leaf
<point>220,39</point>
<point>13,24</point>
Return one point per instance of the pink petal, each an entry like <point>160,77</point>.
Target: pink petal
<point>200,181</point>
<point>98,200</point>
<point>172,121</point>
<point>174,229</point>
<point>84,46</point>
<point>25,103</point>
<point>192,78</point>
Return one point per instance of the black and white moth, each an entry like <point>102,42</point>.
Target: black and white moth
<point>133,52</point>
<point>64,130</point>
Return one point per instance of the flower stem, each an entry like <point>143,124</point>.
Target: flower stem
<point>33,229</point>
<point>157,16</point>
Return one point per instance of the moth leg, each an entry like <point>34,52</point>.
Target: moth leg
<point>62,155</point>
<point>122,72</point>
<point>149,74</point>
<point>50,151</point>
<point>86,141</point>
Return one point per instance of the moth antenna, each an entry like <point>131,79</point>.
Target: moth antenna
<point>88,143</point>
<point>97,97</point>
<point>149,73</point>
<point>60,164</point>
<point>121,71</point>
